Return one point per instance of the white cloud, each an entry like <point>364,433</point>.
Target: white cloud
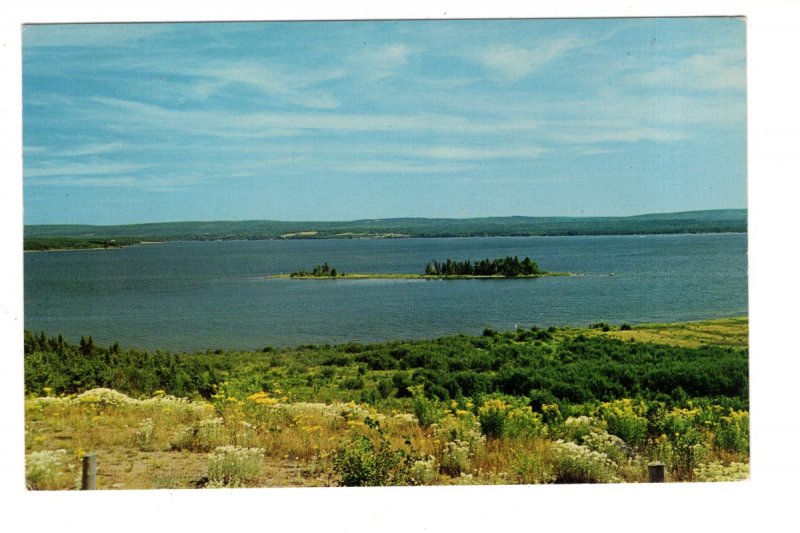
<point>91,149</point>
<point>469,153</point>
<point>617,133</point>
<point>713,71</point>
<point>127,114</point>
<point>381,63</point>
<point>274,81</point>
<point>43,170</point>
<point>512,63</point>
<point>402,167</point>
<point>70,181</point>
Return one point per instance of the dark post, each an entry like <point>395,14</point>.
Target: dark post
<point>655,472</point>
<point>89,477</point>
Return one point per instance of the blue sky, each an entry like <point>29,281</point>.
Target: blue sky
<point>350,120</point>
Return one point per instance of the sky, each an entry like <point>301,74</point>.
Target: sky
<point>346,120</point>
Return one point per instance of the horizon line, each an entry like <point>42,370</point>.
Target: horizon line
<point>391,218</point>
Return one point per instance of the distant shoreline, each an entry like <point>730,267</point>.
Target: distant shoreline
<point>58,236</point>
<point>331,238</point>
<point>120,247</point>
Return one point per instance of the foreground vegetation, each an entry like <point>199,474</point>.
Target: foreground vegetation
<point>71,236</point>
<point>553,405</point>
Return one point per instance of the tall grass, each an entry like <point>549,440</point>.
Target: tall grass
<point>488,441</point>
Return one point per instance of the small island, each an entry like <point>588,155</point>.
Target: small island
<point>507,267</point>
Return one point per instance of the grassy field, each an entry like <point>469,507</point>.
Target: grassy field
<point>732,332</point>
<point>338,415</point>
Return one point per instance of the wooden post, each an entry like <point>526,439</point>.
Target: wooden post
<point>89,476</point>
<point>655,472</point>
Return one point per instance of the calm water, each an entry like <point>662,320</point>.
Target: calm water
<point>201,295</point>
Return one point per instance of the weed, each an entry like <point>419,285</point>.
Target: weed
<point>42,469</point>
<point>232,466</point>
<point>716,471</point>
<point>573,463</point>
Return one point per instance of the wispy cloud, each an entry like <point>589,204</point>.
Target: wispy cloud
<point>479,153</point>
<point>380,63</point>
<point>397,167</point>
<point>511,62</point>
<point>91,149</point>
<point>80,169</point>
<point>206,108</point>
<point>237,123</point>
<point>277,82</point>
<point>718,70</point>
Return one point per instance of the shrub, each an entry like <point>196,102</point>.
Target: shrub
<point>492,417</point>
<point>425,410</point>
<point>716,471</point>
<point>612,446</point>
<point>385,388</point>
<point>689,445</point>
<point>104,398</point>
<point>402,383</point>
<point>522,422</point>
<point>370,396</point>
<point>362,463</point>
<point>661,450</point>
<point>573,463</point>
<point>455,457</point>
<point>530,468</point>
<point>509,417</point>
<point>143,436</point>
<point>326,373</point>
<point>424,471</point>
<point>551,413</point>
<point>689,451</point>
<point>203,436</point>
<point>352,383</point>
<point>575,429</point>
<point>625,419</point>
<point>463,427</point>
<point>232,466</point>
<point>733,432</point>
<point>42,469</point>
<point>625,327</point>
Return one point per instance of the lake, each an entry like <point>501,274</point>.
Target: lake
<point>206,295</point>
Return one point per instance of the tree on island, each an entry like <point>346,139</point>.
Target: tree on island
<point>507,267</point>
<point>320,271</point>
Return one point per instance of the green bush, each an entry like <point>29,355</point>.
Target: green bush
<point>492,415</point>
<point>361,462</point>
<point>426,411</point>
<point>385,388</point>
<point>733,432</point>
<point>530,468</point>
<point>352,383</point>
